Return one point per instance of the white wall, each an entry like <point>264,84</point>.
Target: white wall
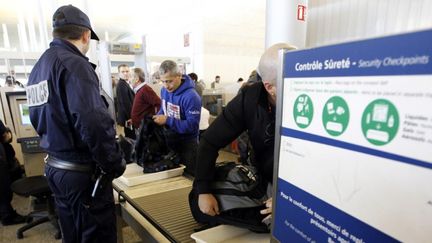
<point>334,21</point>
<point>229,67</point>
<point>232,52</point>
<point>233,38</point>
<point>166,44</point>
<point>231,59</point>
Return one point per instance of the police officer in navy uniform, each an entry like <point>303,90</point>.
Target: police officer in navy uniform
<point>76,131</point>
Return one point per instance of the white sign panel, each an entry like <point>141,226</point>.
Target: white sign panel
<point>355,161</point>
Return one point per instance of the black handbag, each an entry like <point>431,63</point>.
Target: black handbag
<point>151,149</point>
<point>240,194</point>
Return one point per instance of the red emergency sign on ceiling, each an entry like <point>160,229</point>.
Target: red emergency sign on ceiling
<point>301,12</point>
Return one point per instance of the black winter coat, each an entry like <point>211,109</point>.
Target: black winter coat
<point>125,97</point>
<point>249,111</point>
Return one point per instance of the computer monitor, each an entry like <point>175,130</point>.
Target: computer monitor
<point>20,114</point>
<point>25,114</point>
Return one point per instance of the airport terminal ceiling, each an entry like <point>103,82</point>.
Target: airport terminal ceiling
<point>225,37</point>
<point>128,20</point>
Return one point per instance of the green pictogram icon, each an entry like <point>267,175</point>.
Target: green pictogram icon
<point>335,116</point>
<point>380,122</point>
<point>303,111</point>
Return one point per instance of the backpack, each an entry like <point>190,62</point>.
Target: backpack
<point>240,194</point>
<point>151,149</point>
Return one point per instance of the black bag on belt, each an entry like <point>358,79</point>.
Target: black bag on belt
<point>240,194</point>
<point>151,149</point>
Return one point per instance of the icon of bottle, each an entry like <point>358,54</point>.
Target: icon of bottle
<point>390,122</point>
<point>368,117</point>
<point>330,109</point>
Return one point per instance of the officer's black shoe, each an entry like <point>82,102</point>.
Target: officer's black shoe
<point>13,218</point>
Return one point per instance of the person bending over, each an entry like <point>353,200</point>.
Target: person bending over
<point>252,110</point>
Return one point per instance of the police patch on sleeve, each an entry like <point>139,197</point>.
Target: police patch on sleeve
<point>37,94</point>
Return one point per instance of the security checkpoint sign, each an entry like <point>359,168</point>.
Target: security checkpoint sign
<point>355,160</point>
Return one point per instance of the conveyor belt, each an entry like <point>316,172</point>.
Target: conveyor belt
<point>170,211</point>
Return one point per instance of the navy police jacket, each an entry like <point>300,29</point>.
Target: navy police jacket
<point>67,111</point>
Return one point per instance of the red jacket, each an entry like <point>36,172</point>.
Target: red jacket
<point>146,103</point>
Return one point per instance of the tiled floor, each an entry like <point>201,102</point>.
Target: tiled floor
<point>44,233</point>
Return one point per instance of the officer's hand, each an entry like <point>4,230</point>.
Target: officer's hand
<point>160,119</point>
<point>119,170</point>
<point>268,210</point>
<point>208,204</point>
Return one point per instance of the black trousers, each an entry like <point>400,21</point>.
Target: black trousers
<point>82,218</point>
<point>129,133</point>
<point>6,179</point>
<point>187,152</point>
<point>5,192</point>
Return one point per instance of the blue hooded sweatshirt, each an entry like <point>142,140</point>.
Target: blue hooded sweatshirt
<point>183,108</point>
